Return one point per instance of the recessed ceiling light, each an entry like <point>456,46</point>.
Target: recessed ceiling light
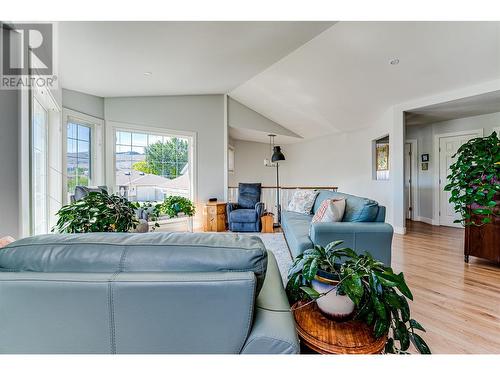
<point>394,61</point>
<point>147,74</point>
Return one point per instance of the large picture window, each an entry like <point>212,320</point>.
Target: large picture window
<point>151,166</point>
<point>78,155</point>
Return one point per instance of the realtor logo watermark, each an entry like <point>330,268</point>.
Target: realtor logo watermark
<point>27,59</point>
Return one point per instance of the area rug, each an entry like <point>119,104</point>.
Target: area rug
<point>275,242</point>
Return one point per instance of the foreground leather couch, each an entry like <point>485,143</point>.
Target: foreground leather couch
<point>143,293</point>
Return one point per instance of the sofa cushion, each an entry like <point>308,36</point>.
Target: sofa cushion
<point>243,215</point>
<point>357,209</point>
<point>331,210</point>
<point>302,201</point>
<point>296,229</point>
<point>145,252</point>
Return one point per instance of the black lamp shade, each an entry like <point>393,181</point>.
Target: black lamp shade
<point>277,154</point>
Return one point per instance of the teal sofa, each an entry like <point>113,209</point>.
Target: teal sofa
<point>120,293</point>
<point>362,227</point>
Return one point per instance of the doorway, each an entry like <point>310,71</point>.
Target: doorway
<point>448,145</point>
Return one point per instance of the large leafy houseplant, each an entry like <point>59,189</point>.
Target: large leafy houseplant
<point>380,295</point>
<point>97,212</point>
<point>474,180</point>
<point>174,205</point>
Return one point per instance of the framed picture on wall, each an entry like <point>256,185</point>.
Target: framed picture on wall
<point>382,157</point>
<point>425,158</point>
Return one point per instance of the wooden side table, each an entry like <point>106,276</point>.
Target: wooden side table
<point>325,336</point>
<point>215,217</point>
<point>267,223</point>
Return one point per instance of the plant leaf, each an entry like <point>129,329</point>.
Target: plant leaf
<point>420,344</point>
<point>416,325</point>
<point>404,337</point>
<point>381,327</point>
<point>310,292</point>
<point>353,287</point>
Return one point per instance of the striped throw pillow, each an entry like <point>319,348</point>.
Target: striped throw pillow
<point>331,210</point>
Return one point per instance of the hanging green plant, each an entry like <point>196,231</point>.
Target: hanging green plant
<point>474,180</point>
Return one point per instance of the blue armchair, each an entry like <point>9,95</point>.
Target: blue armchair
<point>245,215</point>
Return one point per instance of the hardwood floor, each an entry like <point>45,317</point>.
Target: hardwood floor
<point>457,303</point>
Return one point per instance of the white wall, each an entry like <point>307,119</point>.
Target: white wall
<point>424,134</point>
<point>9,167</point>
<point>84,103</point>
<point>249,164</point>
<point>202,114</point>
<point>343,160</point>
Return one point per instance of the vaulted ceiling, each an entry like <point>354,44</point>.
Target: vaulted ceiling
<point>313,78</point>
<point>179,58</point>
<point>342,80</point>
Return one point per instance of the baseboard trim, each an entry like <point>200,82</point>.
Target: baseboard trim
<point>400,230</point>
<point>426,220</point>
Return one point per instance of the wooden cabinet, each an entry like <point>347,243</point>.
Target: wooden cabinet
<point>483,241</point>
<point>267,224</point>
<point>215,217</point>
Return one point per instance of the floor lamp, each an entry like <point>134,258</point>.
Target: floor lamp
<point>276,157</point>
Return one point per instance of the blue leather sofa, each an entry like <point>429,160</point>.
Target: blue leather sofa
<point>143,293</point>
<point>362,227</point>
<point>245,215</point>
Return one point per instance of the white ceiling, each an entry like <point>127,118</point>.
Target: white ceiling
<point>465,107</point>
<point>342,80</point>
<point>110,58</point>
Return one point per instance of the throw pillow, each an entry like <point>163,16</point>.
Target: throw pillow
<point>4,241</point>
<point>303,201</point>
<point>331,210</point>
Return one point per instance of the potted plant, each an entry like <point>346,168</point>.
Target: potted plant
<point>175,205</point>
<point>149,212</point>
<point>378,294</point>
<point>97,212</point>
<point>474,181</point>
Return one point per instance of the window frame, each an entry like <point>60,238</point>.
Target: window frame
<point>96,153</point>
<point>111,133</point>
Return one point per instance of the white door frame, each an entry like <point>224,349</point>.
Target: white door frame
<point>414,179</point>
<point>436,190</point>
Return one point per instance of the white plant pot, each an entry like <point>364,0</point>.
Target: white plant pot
<point>334,306</point>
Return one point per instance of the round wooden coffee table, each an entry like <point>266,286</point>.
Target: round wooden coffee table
<point>325,336</point>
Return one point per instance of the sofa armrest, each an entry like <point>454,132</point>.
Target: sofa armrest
<point>373,237</point>
<point>259,207</point>
<point>273,330</point>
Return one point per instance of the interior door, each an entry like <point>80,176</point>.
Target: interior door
<point>408,192</point>
<point>448,146</point>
